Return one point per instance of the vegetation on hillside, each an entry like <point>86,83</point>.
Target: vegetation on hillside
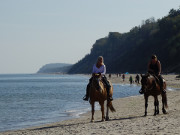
<point>131,51</point>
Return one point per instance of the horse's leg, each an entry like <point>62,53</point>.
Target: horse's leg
<point>107,112</point>
<point>92,107</point>
<point>155,105</point>
<point>102,109</point>
<point>146,104</point>
<point>163,104</point>
<point>157,102</point>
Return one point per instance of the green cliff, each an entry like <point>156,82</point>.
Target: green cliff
<point>131,51</point>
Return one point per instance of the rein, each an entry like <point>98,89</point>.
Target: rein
<point>150,88</point>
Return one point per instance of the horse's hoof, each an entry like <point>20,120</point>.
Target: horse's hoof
<point>164,112</point>
<point>92,121</point>
<point>107,118</point>
<point>155,114</point>
<point>102,120</point>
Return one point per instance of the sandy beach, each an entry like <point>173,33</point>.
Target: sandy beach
<point>128,118</point>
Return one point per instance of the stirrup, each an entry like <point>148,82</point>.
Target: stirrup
<point>85,98</point>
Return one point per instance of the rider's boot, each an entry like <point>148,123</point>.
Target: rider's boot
<point>85,98</point>
<point>110,98</point>
<point>141,91</point>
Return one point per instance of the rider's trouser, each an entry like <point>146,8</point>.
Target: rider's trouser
<point>160,81</point>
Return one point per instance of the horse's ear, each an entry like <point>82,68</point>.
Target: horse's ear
<point>148,74</point>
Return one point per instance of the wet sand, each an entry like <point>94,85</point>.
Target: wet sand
<point>128,118</point>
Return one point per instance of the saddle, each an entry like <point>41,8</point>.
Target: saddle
<point>156,79</point>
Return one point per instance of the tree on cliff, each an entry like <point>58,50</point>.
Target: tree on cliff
<point>131,51</point>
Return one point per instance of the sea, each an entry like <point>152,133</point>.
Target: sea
<point>28,100</point>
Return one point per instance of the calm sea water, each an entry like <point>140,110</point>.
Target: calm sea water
<point>34,99</point>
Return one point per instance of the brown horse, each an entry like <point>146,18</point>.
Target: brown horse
<point>98,93</point>
<point>151,87</point>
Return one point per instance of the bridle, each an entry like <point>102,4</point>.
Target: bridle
<point>96,80</point>
<point>145,87</point>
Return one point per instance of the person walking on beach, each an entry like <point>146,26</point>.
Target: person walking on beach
<point>130,79</point>
<point>99,68</point>
<point>154,68</point>
<point>109,76</point>
<point>123,77</point>
<point>137,78</point>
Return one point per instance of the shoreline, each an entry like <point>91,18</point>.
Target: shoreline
<point>126,120</point>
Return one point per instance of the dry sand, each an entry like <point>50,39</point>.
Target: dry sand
<point>128,118</point>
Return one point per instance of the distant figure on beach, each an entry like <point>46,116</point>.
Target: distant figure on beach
<point>123,77</point>
<point>137,79</point>
<point>154,68</point>
<point>109,76</point>
<point>130,79</point>
<point>99,68</point>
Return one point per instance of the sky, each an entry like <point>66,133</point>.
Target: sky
<point>38,32</point>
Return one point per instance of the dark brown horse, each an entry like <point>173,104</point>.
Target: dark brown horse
<point>151,87</point>
<point>98,93</point>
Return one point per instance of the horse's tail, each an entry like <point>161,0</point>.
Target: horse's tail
<point>165,97</point>
<point>111,106</point>
<point>165,101</point>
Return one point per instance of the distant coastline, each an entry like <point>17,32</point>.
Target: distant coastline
<point>55,68</point>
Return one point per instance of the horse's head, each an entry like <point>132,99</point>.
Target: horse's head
<point>144,82</point>
<point>95,81</point>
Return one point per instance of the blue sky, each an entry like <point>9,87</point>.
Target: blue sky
<point>37,32</point>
